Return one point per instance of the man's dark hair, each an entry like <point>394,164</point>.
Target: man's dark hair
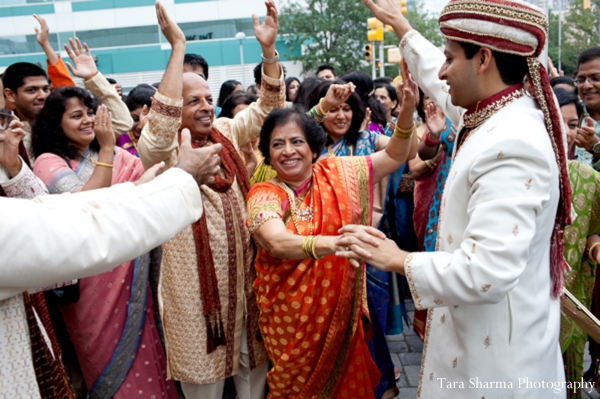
<point>111,81</point>
<point>383,80</point>
<point>305,90</point>
<point>15,75</point>
<point>588,55</point>
<point>364,88</point>
<point>258,73</point>
<point>566,97</point>
<point>512,68</point>
<point>140,96</point>
<point>196,60</point>
<point>313,133</point>
<point>233,100</point>
<point>326,67</point>
<point>46,133</point>
<point>563,80</point>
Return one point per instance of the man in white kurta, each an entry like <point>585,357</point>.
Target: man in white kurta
<point>493,321</point>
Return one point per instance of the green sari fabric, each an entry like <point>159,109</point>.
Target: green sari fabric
<point>585,183</point>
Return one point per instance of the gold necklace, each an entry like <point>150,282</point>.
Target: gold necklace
<point>305,214</point>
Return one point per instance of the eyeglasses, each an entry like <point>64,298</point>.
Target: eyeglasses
<point>5,118</point>
<point>580,80</point>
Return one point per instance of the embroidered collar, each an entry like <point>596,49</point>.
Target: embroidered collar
<point>483,110</point>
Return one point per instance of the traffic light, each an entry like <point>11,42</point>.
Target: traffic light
<point>403,6</point>
<point>368,54</point>
<point>587,4</point>
<point>375,35</point>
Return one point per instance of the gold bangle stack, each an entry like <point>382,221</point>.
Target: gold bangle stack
<point>317,112</point>
<point>591,250</point>
<point>404,134</point>
<point>430,164</point>
<point>96,163</point>
<point>309,247</point>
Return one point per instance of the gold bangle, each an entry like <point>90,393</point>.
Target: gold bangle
<point>306,246</point>
<point>314,248</point>
<point>320,109</point>
<point>106,165</point>
<point>591,249</point>
<point>430,163</point>
<point>404,134</point>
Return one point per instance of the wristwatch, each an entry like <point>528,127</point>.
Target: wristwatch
<point>596,148</point>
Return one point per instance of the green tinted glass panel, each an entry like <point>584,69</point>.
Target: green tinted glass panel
<point>24,44</point>
<point>120,36</point>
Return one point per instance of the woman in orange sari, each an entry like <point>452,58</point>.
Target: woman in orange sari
<point>313,309</point>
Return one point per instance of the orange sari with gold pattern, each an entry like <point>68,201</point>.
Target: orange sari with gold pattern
<point>312,312</point>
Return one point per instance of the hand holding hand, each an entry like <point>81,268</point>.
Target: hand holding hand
<point>435,123</point>
<point>85,67</point>
<point>586,137</point>
<point>170,29</point>
<point>337,95</point>
<point>9,146</point>
<point>365,243</point>
<point>266,33</point>
<point>103,128</point>
<point>202,163</point>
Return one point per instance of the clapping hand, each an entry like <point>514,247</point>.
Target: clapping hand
<point>433,119</point>
<point>9,146</point>
<point>103,128</point>
<point>586,137</point>
<point>266,33</point>
<point>85,67</point>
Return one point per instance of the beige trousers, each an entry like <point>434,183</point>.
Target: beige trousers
<point>248,384</point>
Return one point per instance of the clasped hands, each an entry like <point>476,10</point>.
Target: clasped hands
<point>364,243</point>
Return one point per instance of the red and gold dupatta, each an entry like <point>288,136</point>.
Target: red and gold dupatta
<point>312,311</point>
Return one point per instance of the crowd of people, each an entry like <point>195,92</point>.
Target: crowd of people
<point>272,235</point>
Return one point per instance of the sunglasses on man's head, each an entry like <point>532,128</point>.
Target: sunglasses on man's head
<point>5,118</point>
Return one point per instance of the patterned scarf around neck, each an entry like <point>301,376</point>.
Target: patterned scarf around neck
<point>232,167</point>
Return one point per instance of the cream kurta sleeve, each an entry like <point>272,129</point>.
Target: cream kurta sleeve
<point>56,238</point>
<point>23,185</point>
<point>424,62</point>
<point>247,124</point>
<point>506,196</point>
<point>158,141</point>
<point>121,119</point>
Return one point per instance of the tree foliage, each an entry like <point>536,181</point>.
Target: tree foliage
<point>580,31</point>
<point>334,32</point>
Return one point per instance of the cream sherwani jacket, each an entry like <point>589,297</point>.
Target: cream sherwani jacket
<point>492,327</point>
<point>57,238</point>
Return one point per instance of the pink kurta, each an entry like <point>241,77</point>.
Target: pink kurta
<point>96,322</point>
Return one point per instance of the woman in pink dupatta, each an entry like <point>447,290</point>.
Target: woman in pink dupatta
<point>112,325</point>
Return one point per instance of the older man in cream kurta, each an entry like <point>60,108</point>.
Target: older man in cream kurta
<point>179,289</point>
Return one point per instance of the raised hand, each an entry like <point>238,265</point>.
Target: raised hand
<point>433,119</point>
<point>409,101</point>
<point>85,67</point>
<point>366,120</point>
<point>42,33</point>
<point>9,146</point>
<point>170,29</point>
<point>266,33</point>
<point>202,163</point>
<point>337,95</point>
<point>103,128</point>
<point>387,11</point>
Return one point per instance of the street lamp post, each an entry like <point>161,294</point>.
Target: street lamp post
<point>241,36</point>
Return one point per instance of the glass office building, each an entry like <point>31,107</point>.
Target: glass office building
<point>126,39</point>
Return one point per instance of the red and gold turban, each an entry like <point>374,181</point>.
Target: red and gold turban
<point>518,28</point>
